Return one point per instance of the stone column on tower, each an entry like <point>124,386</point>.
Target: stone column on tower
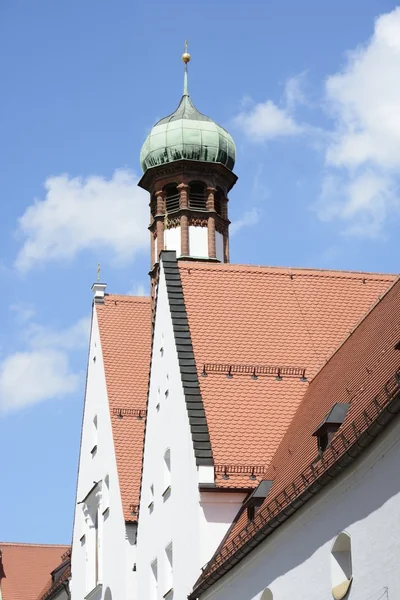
<point>160,199</point>
<point>211,222</point>
<point>184,205</point>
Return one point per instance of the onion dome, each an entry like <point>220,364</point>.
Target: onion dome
<point>187,134</point>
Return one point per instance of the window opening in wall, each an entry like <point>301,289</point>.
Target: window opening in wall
<point>267,595</point>
<point>341,566</point>
<point>108,595</point>
<point>197,195</point>
<point>94,436</point>
<point>106,496</point>
<point>172,197</point>
<point>167,474</point>
<point>153,205</point>
<point>151,499</point>
<point>168,570</point>
<point>154,579</point>
<point>96,548</point>
<point>217,201</point>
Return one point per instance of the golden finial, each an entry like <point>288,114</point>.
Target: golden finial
<point>98,271</point>
<point>186,55</point>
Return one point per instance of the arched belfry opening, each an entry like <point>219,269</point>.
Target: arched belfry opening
<point>187,161</point>
<point>197,195</point>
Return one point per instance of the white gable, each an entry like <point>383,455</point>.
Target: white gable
<point>99,527</point>
<point>174,517</point>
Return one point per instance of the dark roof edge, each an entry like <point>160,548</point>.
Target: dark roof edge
<point>384,415</point>
<point>183,341</point>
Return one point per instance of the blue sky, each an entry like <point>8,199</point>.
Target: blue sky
<point>310,92</point>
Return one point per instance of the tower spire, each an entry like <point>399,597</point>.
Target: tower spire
<point>186,58</point>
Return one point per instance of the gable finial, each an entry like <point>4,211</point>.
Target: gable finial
<point>186,58</point>
<point>98,271</point>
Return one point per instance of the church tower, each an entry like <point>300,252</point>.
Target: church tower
<point>187,161</point>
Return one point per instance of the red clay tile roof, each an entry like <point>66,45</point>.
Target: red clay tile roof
<point>356,374</point>
<point>63,574</point>
<point>27,568</point>
<point>266,317</point>
<point>125,334</point>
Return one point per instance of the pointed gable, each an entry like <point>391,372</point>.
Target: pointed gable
<point>125,334</point>
<point>259,336</point>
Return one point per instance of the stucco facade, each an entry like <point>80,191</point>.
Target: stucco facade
<point>173,513</point>
<point>296,561</point>
<point>103,549</point>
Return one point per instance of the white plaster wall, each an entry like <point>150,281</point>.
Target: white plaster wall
<point>295,561</point>
<point>198,241</point>
<point>92,468</point>
<point>217,511</point>
<point>131,558</point>
<point>172,240</point>
<point>219,246</point>
<point>180,519</point>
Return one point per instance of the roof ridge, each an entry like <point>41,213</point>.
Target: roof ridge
<point>284,270</point>
<point>128,298</point>
<point>29,544</point>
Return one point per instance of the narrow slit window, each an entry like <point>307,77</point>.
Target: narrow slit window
<point>106,495</point>
<point>151,498</point>
<point>153,579</point>
<point>168,569</point>
<point>341,566</point>
<point>94,436</point>
<point>167,474</point>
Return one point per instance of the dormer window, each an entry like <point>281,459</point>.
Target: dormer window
<point>256,498</point>
<point>329,426</point>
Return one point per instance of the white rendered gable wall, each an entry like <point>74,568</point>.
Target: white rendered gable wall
<point>116,549</point>
<point>295,561</point>
<point>194,525</point>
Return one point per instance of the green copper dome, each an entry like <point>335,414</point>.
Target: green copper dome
<point>187,134</point>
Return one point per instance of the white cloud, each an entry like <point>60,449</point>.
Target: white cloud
<point>294,93</point>
<point>266,121</point>
<point>82,214</point>
<point>362,202</point>
<point>42,370</point>
<point>30,377</point>
<point>76,336</point>
<point>139,290</point>
<point>249,218</point>
<point>363,155</point>
<point>23,312</point>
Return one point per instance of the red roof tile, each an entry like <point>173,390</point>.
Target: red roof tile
<point>125,334</point>
<point>355,374</point>
<point>265,316</point>
<point>27,568</point>
<point>62,574</point>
